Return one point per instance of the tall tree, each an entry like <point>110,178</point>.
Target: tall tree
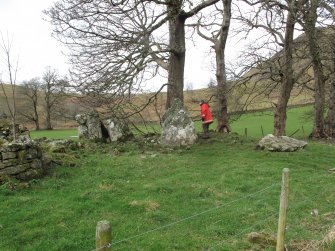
<point>31,90</point>
<point>287,79</point>
<point>219,39</point>
<point>52,87</point>
<point>276,20</point>
<point>330,119</point>
<point>310,16</point>
<point>114,44</point>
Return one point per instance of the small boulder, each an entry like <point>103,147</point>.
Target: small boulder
<point>280,144</point>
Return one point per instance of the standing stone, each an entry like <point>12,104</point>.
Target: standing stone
<point>94,126</point>
<point>117,130</point>
<point>178,128</point>
<point>82,128</point>
<point>89,126</point>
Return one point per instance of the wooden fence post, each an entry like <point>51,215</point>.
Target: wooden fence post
<point>103,236</point>
<point>246,132</point>
<point>262,131</point>
<point>283,210</point>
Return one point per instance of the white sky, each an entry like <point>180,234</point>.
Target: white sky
<point>37,49</point>
<point>31,37</point>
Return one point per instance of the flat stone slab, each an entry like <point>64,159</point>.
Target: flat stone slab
<point>280,144</point>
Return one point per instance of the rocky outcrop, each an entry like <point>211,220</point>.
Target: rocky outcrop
<point>178,128</point>
<point>280,144</point>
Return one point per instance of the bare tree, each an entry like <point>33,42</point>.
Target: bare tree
<point>219,39</point>
<point>330,119</point>
<point>277,20</point>
<point>32,90</point>
<point>287,80</point>
<point>117,45</point>
<point>310,18</point>
<point>53,88</point>
<point>11,67</point>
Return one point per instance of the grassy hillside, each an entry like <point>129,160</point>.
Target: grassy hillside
<point>255,90</point>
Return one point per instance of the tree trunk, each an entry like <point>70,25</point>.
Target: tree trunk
<point>330,122</point>
<point>318,130</point>
<point>287,80</point>
<point>310,30</point>
<point>330,127</point>
<point>221,78</point>
<point>37,124</point>
<point>48,113</point>
<point>177,56</point>
<point>37,121</point>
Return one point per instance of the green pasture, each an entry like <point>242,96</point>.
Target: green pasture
<point>298,123</point>
<point>55,134</point>
<point>252,124</point>
<point>209,196</point>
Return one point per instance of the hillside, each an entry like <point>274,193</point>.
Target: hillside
<point>257,89</point>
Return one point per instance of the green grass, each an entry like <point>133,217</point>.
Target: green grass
<point>296,120</point>
<point>214,194</point>
<point>54,134</point>
<point>205,197</point>
<point>250,123</point>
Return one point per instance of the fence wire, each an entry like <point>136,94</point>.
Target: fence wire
<point>194,215</point>
<point>272,216</point>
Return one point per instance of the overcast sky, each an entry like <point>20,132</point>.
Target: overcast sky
<point>37,49</point>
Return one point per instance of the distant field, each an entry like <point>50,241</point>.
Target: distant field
<point>55,134</point>
<point>255,121</point>
<point>252,123</point>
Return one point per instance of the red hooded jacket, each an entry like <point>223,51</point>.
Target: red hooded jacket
<point>206,114</point>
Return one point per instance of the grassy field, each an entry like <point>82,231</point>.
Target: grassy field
<point>206,197</point>
<point>252,123</point>
<point>55,134</point>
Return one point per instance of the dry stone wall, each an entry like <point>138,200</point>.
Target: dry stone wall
<point>23,161</point>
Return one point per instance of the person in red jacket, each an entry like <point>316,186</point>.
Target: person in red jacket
<point>206,116</point>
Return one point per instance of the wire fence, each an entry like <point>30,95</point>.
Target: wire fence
<point>115,243</point>
<point>210,225</point>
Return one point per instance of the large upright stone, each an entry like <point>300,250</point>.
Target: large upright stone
<point>117,130</point>
<point>178,128</point>
<point>89,126</point>
<point>280,144</point>
<point>94,126</point>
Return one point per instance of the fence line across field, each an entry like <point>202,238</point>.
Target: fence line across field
<point>188,218</point>
<point>108,246</point>
<point>274,216</point>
